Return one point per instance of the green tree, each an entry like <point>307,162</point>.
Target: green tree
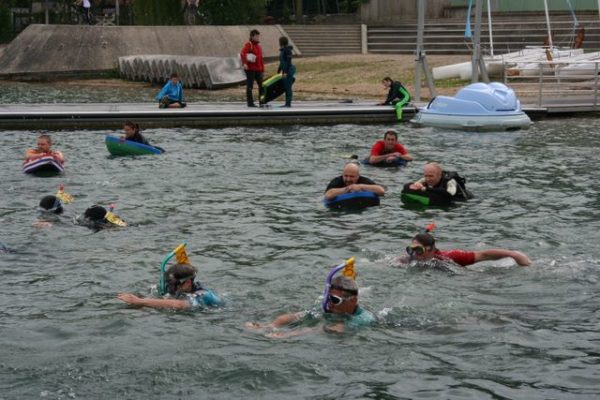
<point>6,26</point>
<point>158,12</point>
<point>233,12</point>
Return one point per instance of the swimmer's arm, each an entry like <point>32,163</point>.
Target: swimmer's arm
<point>362,187</point>
<point>153,303</point>
<point>335,328</point>
<point>333,192</point>
<point>418,185</point>
<point>497,254</point>
<point>406,157</point>
<point>30,153</point>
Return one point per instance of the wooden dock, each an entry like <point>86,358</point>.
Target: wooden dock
<point>112,116</point>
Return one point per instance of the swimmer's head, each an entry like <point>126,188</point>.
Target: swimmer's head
<point>180,278</point>
<point>422,247</point>
<point>342,295</point>
<point>95,213</point>
<point>52,204</point>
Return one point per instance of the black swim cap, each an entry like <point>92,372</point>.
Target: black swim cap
<point>95,213</point>
<point>425,239</point>
<point>51,203</point>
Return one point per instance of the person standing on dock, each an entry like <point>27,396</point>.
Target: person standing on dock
<point>252,60</point>
<point>286,68</point>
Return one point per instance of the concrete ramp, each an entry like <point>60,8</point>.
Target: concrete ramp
<point>49,51</point>
<point>197,72</point>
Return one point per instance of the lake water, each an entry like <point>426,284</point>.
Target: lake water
<point>247,200</point>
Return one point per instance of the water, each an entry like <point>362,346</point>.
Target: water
<point>248,202</point>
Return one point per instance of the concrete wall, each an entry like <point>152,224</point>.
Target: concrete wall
<point>390,11</point>
<point>45,50</point>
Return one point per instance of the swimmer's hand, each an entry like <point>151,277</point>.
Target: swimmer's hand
<point>336,328</point>
<point>42,224</point>
<point>130,298</point>
<point>416,186</point>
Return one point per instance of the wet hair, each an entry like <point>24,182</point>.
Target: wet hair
<point>283,41</point>
<point>174,75</point>
<point>132,125</point>
<point>387,78</point>
<point>345,284</point>
<point>51,203</point>
<point>254,32</point>
<point>425,239</point>
<point>46,137</point>
<point>95,213</point>
<point>391,132</point>
<point>176,274</point>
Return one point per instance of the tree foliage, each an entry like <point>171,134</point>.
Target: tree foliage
<point>5,23</point>
<point>158,12</point>
<point>233,12</point>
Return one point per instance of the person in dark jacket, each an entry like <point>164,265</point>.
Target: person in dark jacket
<point>252,60</point>
<point>286,68</point>
<point>396,94</point>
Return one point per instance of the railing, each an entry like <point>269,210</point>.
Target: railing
<point>557,84</point>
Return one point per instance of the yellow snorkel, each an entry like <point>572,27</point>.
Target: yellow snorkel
<point>180,256</point>
<point>63,196</point>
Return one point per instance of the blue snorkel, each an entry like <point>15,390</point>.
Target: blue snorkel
<point>348,263</point>
<point>162,289</point>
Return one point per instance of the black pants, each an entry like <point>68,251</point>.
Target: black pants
<point>252,76</point>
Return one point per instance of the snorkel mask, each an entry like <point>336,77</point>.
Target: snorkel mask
<point>60,198</point>
<point>413,251</point>
<point>180,256</point>
<point>348,270</point>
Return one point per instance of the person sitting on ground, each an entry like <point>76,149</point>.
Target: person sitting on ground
<point>97,217</point>
<point>132,133</point>
<point>44,144</point>
<point>171,95</point>
<point>352,181</point>
<point>422,248</point>
<point>397,93</point>
<point>185,292</point>
<point>340,308</point>
<point>446,185</point>
<point>388,150</point>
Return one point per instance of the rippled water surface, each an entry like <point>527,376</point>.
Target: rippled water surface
<point>248,202</point>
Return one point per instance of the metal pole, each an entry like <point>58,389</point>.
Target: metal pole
<point>541,82</point>
<point>418,64</point>
<point>476,44</point>
<point>117,12</point>
<point>596,87</point>
<point>46,12</point>
<point>490,28</point>
<point>548,23</point>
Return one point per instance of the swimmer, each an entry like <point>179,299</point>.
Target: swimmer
<point>448,185</point>
<point>181,285</point>
<point>352,181</point>
<point>132,133</point>
<point>340,304</point>
<point>388,150</point>
<point>52,205</point>
<point>422,248</point>
<point>44,144</point>
<point>97,217</point>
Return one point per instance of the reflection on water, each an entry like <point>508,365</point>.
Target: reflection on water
<point>248,202</point>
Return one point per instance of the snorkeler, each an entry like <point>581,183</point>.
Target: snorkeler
<point>422,248</point>
<point>97,217</point>
<point>340,307</point>
<point>52,205</point>
<point>180,285</point>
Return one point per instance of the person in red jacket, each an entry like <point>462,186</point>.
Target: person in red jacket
<point>423,248</point>
<point>252,60</point>
<point>388,150</point>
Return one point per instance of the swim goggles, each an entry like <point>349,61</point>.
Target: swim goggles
<point>337,300</point>
<point>415,250</point>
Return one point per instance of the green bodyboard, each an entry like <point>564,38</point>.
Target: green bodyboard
<point>410,198</point>
<point>128,148</point>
